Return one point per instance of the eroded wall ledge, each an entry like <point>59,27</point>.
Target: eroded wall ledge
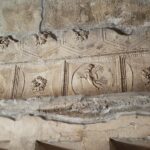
<point>78,109</point>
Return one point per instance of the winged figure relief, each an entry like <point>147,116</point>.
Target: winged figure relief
<point>94,75</point>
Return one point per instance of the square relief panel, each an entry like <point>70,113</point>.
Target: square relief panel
<point>89,76</point>
<point>6,80</point>
<point>40,79</point>
<point>138,72</point>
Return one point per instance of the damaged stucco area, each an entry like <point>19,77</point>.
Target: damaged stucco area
<point>86,122</point>
<point>78,109</point>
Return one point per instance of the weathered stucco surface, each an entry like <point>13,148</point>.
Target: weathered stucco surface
<point>92,120</point>
<point>70,48</point>
<point>78,109</point>
<point>23,133</point>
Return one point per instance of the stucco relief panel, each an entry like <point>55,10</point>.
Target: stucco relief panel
<point>41,79</point>
<point>140,67</point>
<point>95,75</point>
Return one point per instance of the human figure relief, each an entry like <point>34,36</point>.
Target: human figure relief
<point>93,77</point>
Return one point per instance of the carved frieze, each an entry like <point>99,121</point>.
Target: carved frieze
<point>80,76</point>
<point>40,46</point>
<point>90,76</point>
<point>39,79</point>
<point>7,73</point>
<point>117,41</point>
<point>82,42</point>
<point>146,76</point>
<point>137,72</point>
<point>73,43</point>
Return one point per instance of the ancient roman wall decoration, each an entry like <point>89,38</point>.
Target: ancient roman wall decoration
<point>102,42</point>
<point>80,42</point>
<point>39,84</point>
<point>42,37</point>
<point>6,40</point>
<point>97,75</point>
<point>46,79</point>
<point>9,49</point>
<point>7,73</point>
<point>86,76</point>
<point>139,65</point>
<point>94,75</point>
<point>120,43</point>
<point>72,43</point>
<point>41,46</point>
<point>95,28</point>
<point>146,76</point>
<point>38,79</point>
<point>19,81</point>
<point>81,34</point>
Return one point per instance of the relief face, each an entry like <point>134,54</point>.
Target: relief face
<point>93,77</point>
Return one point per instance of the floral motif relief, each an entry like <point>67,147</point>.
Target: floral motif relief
<point>146,74</point>
<point>5,41</point>
<point>39,84</point>
<point>42,37</point>
<point>81,34</point>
